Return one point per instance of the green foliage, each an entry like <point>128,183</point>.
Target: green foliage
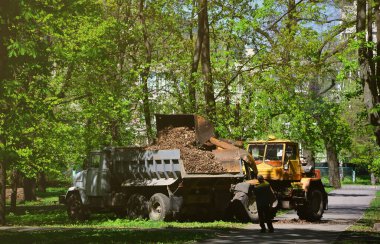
<point>75,77</point>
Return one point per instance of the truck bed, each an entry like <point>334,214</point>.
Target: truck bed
<point>139,167</point>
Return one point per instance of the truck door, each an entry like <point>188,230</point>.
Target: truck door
<point>292,161</point>
<point>97,179</point>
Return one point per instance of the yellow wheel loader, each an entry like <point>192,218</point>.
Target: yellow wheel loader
<point>296,186</point>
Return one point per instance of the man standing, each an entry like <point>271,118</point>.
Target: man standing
<point>264,196</point>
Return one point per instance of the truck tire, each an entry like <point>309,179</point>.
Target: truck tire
<point>137,207</point>
<point>75,209</point>
<point>313,209</point>
<point>159,207</point>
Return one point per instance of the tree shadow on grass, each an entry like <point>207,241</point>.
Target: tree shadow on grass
<point>166,235</point>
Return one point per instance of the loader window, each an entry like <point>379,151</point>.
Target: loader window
<point>291,152</point>
<point>274,152</point>
<point>257,151</point>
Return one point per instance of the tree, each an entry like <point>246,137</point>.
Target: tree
<point>369,64</point>
<point>8,13</point>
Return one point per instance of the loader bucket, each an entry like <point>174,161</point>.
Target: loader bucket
<point>202,127</point>
<point>228,158</point>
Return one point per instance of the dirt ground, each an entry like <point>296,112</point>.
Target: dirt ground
<point>195,160</point>
<point>20,194</point>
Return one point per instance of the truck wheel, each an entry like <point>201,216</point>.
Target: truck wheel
<point>75,208</point>
<point>159,207</point>
<point>137,207</point>
<point>313,209</point>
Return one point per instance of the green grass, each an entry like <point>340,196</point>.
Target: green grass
<point>362,231</point>
<point>328,189</point>
<point>371,216</point>
<point>58,218</point>
<point>360,180</point>
<point>47,212</point>
<point>48,198</point>
<point>53,225</point>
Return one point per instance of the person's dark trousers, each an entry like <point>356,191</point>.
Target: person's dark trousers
<point>264,217</point>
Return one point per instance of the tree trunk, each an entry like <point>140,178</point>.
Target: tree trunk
<point>14,183</point>
<point>179,97</point>
<point>227,94</point>
<point>332,160</point>
<point>237,115</point>
<point>367,70</point>
<point>195,62</point>
<point>373,179</point>
<point>8,10</point>
<point>145,73</point>
<point>206,64</point>
<point>3,177</point>
<point>41,182</point>
<point>377,62</point>
<point>290,26</point>
<point>29,189</point>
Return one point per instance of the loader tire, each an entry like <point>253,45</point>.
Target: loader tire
<point>75,209</point>
<point>137,207</point>
<point>313,209</point>
<point>252,210</point>
<point>159,207</point>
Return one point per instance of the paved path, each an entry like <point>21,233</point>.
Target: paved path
<point>346,206</point>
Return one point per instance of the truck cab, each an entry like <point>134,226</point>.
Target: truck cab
<point>277,159</point>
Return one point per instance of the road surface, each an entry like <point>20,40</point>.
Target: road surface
<point>346,206</point>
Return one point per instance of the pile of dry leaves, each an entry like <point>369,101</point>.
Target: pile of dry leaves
<point>195,160</point>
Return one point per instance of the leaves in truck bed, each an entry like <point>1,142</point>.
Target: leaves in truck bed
<point>195,160</point>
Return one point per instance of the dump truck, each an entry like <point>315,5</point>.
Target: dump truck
<point>296,186</point>
<point>136,182</point>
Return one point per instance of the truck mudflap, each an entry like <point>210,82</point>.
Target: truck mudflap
<point>175,203</point>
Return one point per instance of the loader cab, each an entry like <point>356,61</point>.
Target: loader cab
<point>277,159</point>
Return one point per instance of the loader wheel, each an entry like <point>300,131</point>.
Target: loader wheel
<point>75,209</point>
<point>252,210</point>
<point>159,207</point>
<point>137,207</point>
<point>313,209</point>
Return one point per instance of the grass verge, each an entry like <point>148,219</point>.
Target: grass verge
<point>362,231</point>
<point>48,223</point>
